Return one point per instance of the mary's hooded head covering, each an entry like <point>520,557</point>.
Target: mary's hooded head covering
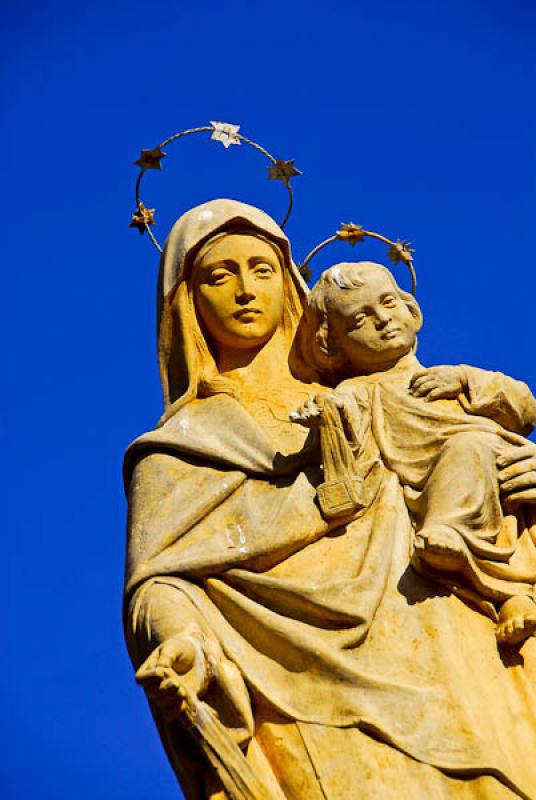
<point>187,366</point>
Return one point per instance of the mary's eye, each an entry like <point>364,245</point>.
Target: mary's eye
<point>263,270</point>
<point>218,276</point>
<point>389,301</point>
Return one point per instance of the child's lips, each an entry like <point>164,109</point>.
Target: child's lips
<point>391,333</point>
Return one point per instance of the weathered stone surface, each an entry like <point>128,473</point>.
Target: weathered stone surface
<point>327,633</point>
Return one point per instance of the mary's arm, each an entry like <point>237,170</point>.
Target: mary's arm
<point>170,644</point>
<point>188,521</point>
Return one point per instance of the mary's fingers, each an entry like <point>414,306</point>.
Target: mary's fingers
<point>171,685</point>
<point>170,704</point>
<point>517,454</point>
<point>149,670</point>
<point>525,481</point>
<point>518,468</point>
<point>162,688</point>
<point>528,496</point>
<point>147,678</point>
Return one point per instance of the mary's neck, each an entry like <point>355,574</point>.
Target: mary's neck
<point>263,369</point>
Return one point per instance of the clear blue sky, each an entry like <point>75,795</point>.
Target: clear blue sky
<point>416,119</point>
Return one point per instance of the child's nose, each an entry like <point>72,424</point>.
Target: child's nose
<point>383,316</point>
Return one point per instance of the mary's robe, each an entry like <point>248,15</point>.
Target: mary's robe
<point>364,679</point>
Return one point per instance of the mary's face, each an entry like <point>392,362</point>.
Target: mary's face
<point>238,291</point>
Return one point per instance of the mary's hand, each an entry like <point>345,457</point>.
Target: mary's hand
<point>177,667</point>
<point>517,474</point>
<point>182,668</point>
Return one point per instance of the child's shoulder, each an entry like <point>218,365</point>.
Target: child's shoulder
<point>353,386</point>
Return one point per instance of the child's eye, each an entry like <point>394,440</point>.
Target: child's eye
<point>359,320</point>
<point>389,301</point>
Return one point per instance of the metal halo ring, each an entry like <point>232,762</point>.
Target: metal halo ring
<point>228,134</point>
<point>398,251</point>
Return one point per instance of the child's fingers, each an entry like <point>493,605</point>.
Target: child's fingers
<point>424,388</point>
<point>422,378</point>
<point>422,373</point>
<point>311,408</point>
<point>436,394</point>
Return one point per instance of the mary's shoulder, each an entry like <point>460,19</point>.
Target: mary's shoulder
<point>214,431</point>
<point>189,431</point>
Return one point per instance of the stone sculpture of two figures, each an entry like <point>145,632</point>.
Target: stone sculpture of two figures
<point>331,549</point>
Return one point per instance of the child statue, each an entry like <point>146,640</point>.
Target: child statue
<point>442,430</point>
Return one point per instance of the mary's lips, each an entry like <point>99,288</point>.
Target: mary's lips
<point>244,312</point>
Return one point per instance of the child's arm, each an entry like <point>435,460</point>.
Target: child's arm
<point>489,394</point>
<point>352,474</point>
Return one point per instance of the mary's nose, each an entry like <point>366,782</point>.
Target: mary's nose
<point>245,291</point>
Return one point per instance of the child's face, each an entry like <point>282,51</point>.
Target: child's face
<point>372,325</point>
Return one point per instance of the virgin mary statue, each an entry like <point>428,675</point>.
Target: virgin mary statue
<point>333,669</point>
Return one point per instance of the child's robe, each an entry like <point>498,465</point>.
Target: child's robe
<point>444,453</point>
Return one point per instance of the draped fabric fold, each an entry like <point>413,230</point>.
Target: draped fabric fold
<point>327,626</point>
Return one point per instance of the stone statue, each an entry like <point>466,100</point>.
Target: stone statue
<point>288,647</point>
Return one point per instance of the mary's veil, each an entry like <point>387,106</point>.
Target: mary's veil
<point>182,346</point>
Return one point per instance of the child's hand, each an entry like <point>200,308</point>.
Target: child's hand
<point>436,383</point>
<point>310,413</point>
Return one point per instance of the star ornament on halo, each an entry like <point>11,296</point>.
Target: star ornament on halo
<point>225,133</point>
<point>151,159</point>
<point>283,171</point>
<point>401,251</point>
<point>351,233</point>
<point>142,217</point>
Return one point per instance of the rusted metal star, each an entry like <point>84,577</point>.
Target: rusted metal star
<point>401,251</point>
<point>151,159</point>
<point>225,133</point>
<point>351,233</point>
<point>142,217</point>
<point>283,171</point>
